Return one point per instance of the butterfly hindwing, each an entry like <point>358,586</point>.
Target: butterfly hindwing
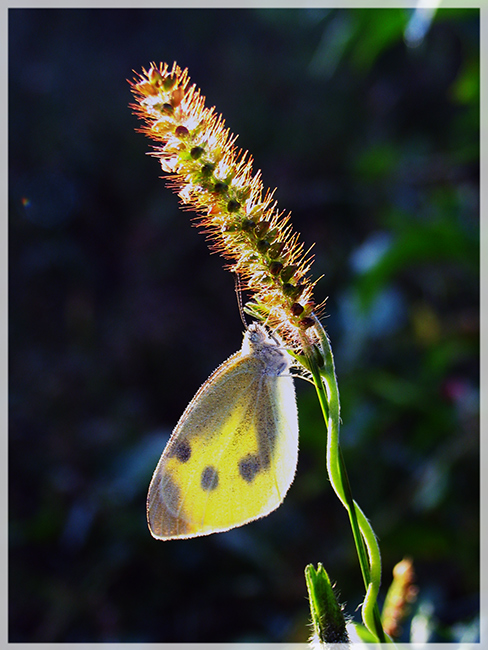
<point>233,454</point>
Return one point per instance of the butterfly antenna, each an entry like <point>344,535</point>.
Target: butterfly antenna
<point>238,290</point>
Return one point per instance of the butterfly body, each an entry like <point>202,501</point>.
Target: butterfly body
<point>232,456</point>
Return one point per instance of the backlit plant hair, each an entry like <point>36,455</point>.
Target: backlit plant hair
<point>215,179</point>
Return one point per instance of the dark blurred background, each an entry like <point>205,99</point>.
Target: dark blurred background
<point>367,122</point>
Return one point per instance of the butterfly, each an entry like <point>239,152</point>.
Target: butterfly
<point>233,454</point>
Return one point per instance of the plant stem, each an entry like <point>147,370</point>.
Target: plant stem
<point>365,541</point>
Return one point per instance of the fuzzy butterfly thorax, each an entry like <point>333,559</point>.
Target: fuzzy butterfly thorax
<point>257,342</point>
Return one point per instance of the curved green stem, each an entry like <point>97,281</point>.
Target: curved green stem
<point>365,540</point>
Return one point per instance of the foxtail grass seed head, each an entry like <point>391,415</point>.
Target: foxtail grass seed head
<point>216,180</point>
<point>401,594</point>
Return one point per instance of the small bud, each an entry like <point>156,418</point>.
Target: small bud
<point>220,188</point>
<point>181,131</point>
<point>275,250</point>
<point>296,309</point>
<point>207,169</point>
<point>306,322</point>
<point>165,109</point>
<point>262,245</point>
<point>169,82</point>
<point>196,152</point>
<point>272,234</point>
<point>288,272</point>
<point>275,267</point>
<point>261,229</point>
<point>233,206</point>
<point>247,225</point>
<point>154,77</point>
<point>292,291</point>
<point>176,96</point>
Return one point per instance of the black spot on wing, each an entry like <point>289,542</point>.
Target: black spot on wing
<point>249,466</point>
<point>209,478</point>
<point>181,451</point>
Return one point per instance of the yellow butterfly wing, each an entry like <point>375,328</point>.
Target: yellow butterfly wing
<point>233,454</point>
